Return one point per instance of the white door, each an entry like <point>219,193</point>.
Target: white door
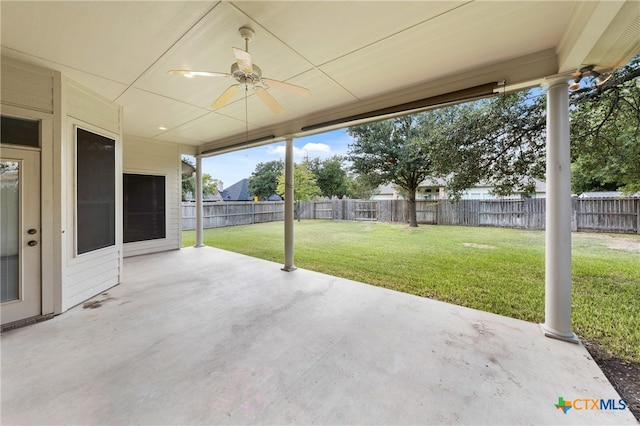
<point>20,275</point>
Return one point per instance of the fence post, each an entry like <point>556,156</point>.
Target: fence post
<point>638,216</point>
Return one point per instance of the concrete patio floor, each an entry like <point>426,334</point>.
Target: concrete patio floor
<point>205,336</point>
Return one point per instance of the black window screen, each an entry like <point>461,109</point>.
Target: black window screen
<point>143,207</point>
<point>96,191</point>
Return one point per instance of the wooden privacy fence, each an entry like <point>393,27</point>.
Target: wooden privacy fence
<point>616,215</point>
<point>608,214</point>
<point>230,213</point>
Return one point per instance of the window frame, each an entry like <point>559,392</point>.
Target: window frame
<point>114,140</point>
<point>165,212</point>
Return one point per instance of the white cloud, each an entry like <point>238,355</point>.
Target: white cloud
<point>280,151</point>
<point>232,167</point>
<point>310,149</point>
<point>316,147</point>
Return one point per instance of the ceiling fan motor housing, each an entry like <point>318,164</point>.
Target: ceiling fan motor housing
<point>246,78</point>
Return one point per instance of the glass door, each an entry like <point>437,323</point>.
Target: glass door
<point>20,254</point>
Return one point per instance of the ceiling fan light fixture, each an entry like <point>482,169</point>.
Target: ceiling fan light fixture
<point>603,78</point>
<point>575,86</point>
<point>600,78</point>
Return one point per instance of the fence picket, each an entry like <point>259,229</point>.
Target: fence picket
<point>616,215</point>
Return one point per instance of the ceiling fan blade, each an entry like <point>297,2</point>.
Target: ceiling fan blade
<point>244,60</point>
<point>269,100</point>
<point>192,73</point>
<point>298,90</point>
<point>225,97</point>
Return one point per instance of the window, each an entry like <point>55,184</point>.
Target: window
<point>143,207</point>
<point>96,191</point>
<point>17,131</point>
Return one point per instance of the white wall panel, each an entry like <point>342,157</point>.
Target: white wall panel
<point>27,86</point>
<point>88,274</point>
<point>92,108</point>
<point>141,156</point>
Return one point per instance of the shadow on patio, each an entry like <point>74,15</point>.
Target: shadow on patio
<point>209,336</point>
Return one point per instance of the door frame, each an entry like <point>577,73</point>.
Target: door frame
<point>28,304</point>
<point>50,205</point>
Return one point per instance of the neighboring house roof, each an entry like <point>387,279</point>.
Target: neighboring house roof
<point>274,197</point>
<point>213,197</point>
<point>239,191</point>
<point>608,194</point>
<point>540,185</point>
<point>433,182</point>
<point>390,189</point>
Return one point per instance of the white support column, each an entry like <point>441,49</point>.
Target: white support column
<point>288,208</point>
<point>558,214</point>
<point>199,239</point>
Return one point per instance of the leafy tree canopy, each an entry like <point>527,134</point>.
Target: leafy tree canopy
<point>362,187</point>
<point>499,141</point>
<point>304,184</point>
<point>393,151</point>
<point>605,132</point>
<point>330,175</point>
<point>263,182</point>
<point>209,184</point>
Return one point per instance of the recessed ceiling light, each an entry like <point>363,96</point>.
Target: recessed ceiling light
<point>162,128</point>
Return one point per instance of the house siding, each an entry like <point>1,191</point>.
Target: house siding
<point>26,86</point>
<point>163,160</point>
<point>88,274</point>
<point>63,105</point>
<point>32,92</point>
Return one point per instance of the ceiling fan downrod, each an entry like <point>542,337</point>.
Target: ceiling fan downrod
<point>247,35</point>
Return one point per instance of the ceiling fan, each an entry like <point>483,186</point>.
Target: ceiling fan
<point>246,73</point>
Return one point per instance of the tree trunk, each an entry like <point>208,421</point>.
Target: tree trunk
<point>413,218</point>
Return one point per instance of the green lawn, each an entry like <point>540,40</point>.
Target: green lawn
<point>495,270</point>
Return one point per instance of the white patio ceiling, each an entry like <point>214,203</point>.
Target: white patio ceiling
<point>355,57</point>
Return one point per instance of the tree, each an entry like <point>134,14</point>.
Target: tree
<point>209,184</point>
<point>499,141</point>
<point>605,133</point>
<point>188,181</point>
<point>263,182</point>
<point>330,175</point>
<point>304,184</point>
<point>362,187</point>
<point>502,140</point>
<point>393,151</point>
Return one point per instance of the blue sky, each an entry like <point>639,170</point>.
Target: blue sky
<point>234,166</point>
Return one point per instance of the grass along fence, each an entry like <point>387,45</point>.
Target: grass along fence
<point>615,215</point>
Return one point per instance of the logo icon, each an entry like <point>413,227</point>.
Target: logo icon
<point>580,404</point>
<point>563,405</point>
